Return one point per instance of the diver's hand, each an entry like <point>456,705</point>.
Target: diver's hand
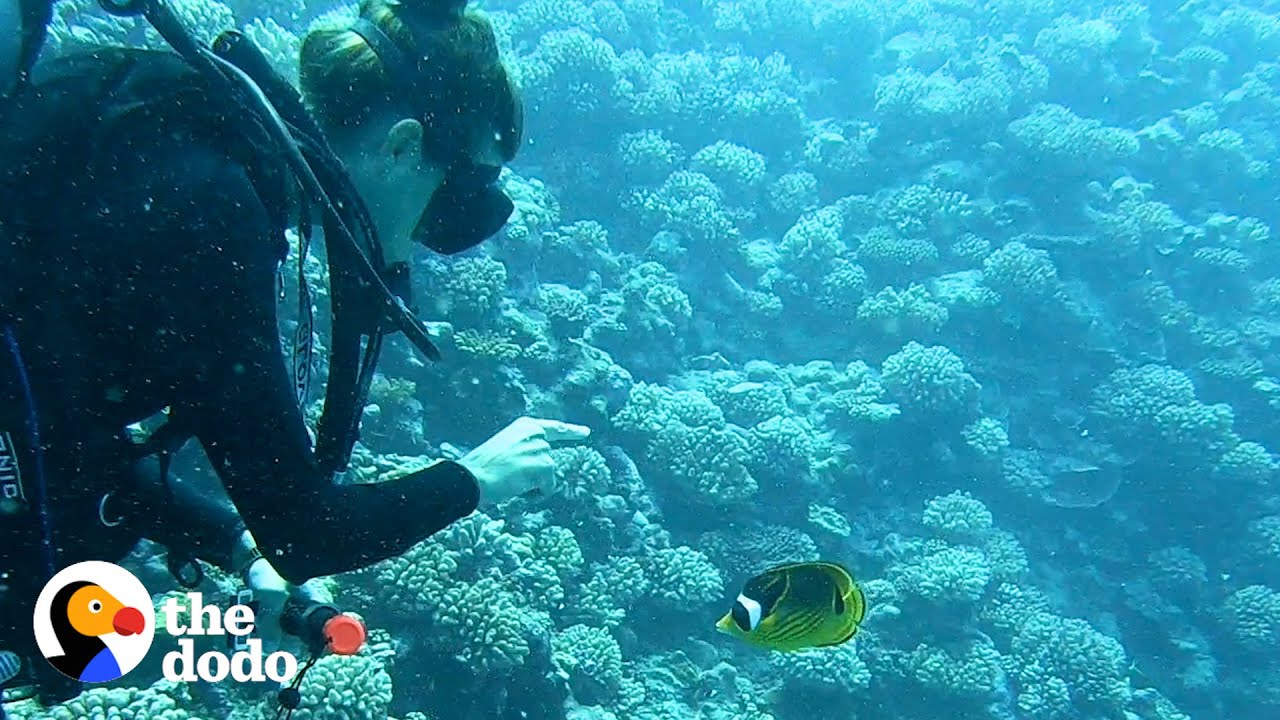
<point>518,459</point>
<point>271,591</point>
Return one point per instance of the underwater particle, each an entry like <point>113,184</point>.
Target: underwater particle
<point>796,607</point>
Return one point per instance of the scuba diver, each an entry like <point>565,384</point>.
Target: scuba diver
<point>144,202</point>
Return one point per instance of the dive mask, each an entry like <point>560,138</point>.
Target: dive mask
<point>467,209</point>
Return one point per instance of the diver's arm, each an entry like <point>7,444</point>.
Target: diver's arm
<point>246,417</point>
<point>307,526</point>
<point>187,520</point>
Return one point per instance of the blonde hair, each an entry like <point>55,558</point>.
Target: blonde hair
<point>462,89</point>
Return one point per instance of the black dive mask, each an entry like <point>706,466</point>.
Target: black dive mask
<point>465,211</point>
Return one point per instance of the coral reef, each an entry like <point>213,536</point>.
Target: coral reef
<point>979,299</point>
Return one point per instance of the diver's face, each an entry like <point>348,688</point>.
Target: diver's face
<point>395,181</point>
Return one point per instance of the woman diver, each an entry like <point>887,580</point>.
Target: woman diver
<point>142,225</point>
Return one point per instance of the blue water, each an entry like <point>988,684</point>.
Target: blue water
<point>977,298</point>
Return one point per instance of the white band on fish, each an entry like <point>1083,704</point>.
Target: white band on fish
<point>753,610</point>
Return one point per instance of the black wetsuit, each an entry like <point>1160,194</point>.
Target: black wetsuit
<point>144,277</point>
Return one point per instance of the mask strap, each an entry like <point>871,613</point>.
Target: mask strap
<point>394,61</point>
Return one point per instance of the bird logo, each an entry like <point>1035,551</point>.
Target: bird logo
<point>94,622</point>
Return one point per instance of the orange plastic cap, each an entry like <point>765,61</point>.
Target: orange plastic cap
<point>344,635</point>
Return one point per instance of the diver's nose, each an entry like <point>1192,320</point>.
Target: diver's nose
<point>129,621</point>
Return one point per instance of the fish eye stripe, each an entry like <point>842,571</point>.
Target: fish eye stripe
<point>752,613</point>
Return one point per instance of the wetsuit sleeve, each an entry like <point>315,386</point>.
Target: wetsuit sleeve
<point>250,425</point>
<point>179,514</point>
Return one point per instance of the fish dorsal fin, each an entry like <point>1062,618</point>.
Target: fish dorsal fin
<point>838,572</point>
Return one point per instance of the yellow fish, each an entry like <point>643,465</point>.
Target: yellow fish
<point>797,606</point>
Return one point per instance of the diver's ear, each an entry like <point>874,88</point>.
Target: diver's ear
<point>404,141</point>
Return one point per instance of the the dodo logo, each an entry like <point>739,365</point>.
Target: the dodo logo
<point>94,622</point>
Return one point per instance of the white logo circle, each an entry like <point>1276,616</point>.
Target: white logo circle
<point>101,628</point>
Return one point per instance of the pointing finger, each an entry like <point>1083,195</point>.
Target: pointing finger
<point>557,431</point>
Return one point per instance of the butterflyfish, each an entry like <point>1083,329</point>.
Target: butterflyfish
<point>797,606</point>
